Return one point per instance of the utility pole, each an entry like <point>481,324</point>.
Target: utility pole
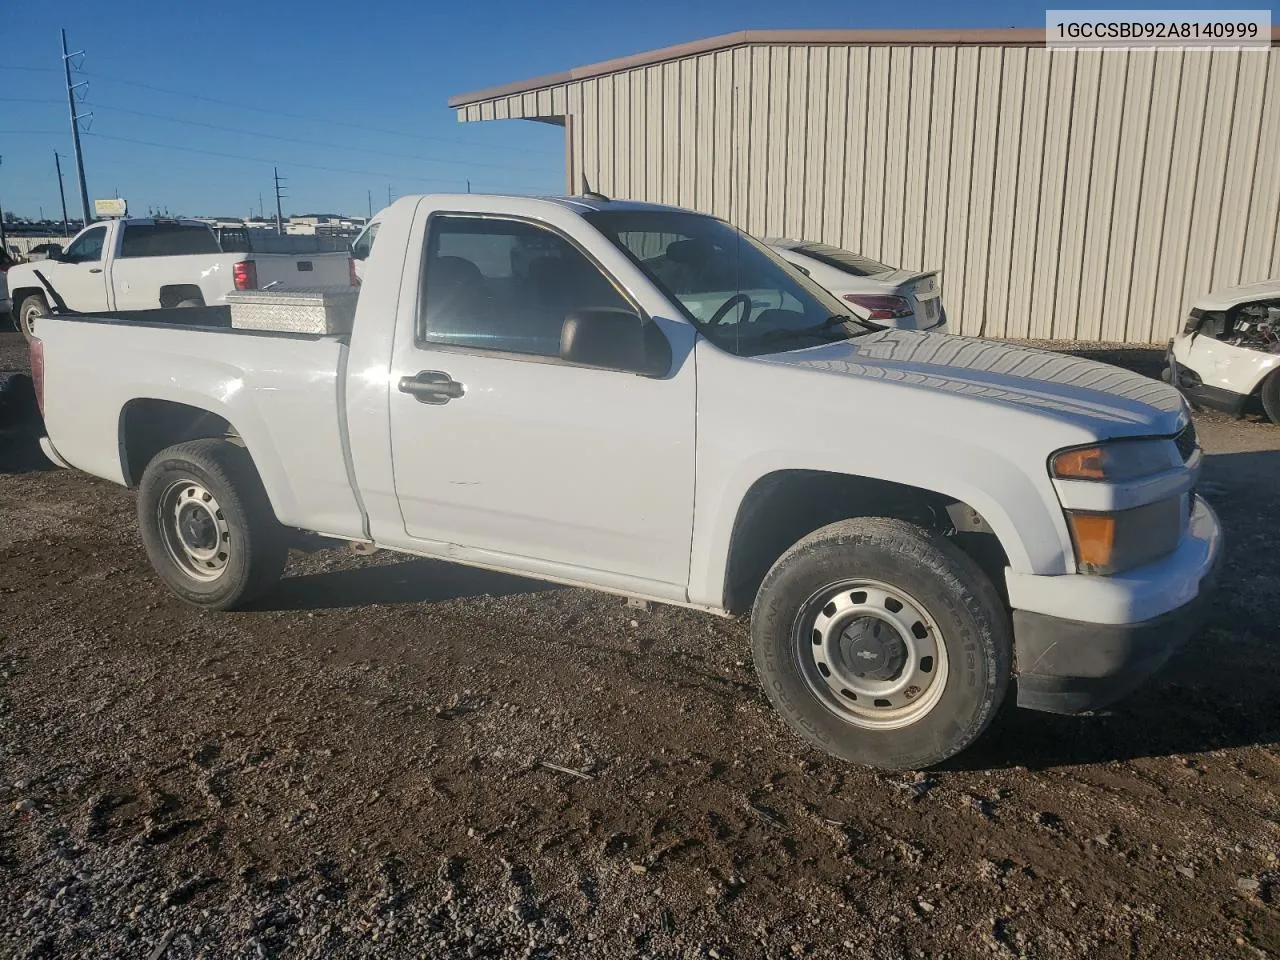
<point>75,121</point>
<point>3,239</point>
<point>260,213</point>
<point>468,186</point>
<point>62,194</point>
<point>279,210</point>
<point>390,199</point>
<point>370,193</point>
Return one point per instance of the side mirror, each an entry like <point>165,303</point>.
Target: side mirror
<point>615,339</point>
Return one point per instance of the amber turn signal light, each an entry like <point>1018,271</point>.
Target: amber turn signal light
<point>1094,535</point>
<point>1083,463</point>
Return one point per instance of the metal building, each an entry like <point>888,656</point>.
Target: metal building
<point>1079,195</point>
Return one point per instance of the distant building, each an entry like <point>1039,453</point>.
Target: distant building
<point>1065,194</point>
<point>323,225</point>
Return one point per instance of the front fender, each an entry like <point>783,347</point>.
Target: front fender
<point>1032,534</point>
<point>756,418</point>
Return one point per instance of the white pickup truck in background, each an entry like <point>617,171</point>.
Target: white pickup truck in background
<point>144,264</point>
<point>645,401</point>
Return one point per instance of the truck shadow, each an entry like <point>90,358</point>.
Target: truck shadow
<point>20,426</point>
<point>1220,690</point>
<point>405,581</point>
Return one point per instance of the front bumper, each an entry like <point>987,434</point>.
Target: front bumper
<point>1070,666</point>
<point>1199,393</point>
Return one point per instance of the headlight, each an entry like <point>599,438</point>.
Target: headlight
<point>1115,462</point>
<point>1108,542</point>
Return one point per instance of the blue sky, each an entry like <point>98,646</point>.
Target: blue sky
<point>193,103</point>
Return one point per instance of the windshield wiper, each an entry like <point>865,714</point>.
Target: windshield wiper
<point>817,330</point>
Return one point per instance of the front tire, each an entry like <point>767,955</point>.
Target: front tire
<point>207,525</point>
<point>1270,396</point>
<point>881,643</point>
<point>29,309</point>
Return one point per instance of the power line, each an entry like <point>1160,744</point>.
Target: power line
<point>318,143</point>
<point>30,133</point>
<point>10,66</point>
<point>238,156</point>
<point>28,100</point>
<point>297,116</point>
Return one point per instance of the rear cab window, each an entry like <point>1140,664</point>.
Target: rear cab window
<point>363,245</point>
<point>167,240</point>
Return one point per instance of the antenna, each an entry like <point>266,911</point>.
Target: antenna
<point>588,192</point>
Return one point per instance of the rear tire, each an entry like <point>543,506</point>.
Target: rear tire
<point>1270,396</point>
<point>881,643</point>
<point>32,306</point>
<point>190,302</point>
<point>207,525</point>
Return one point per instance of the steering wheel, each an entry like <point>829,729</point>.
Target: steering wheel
<point>719,315</point>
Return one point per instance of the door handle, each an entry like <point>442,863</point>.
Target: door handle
<point>95,269</point>
<point>432,386</point>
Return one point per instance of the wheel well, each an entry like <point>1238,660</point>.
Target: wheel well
<point>174,294</point>
<point>785,506</point>
<point>17,296</point>
<point>149,426</point>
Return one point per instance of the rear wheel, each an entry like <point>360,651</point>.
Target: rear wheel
<point>1270,395</point>
<point>882,643</point>
<point>29,309</point>
<point>207,525</point>
<point>190,302</point>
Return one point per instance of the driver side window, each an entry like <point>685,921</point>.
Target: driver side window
<point>505,285</point>
<point>87,248</point>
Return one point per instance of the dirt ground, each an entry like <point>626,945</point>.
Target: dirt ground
<point>359,767</point>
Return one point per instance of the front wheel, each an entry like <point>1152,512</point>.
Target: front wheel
<point>29,309</point>
<point>1270,396</point>
<point>881,643</point>
<point>207,524</point>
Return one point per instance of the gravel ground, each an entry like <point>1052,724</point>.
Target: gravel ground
<point>398,758</point>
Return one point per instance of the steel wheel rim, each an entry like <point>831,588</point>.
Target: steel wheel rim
<point>195,533</point>
<point>847,640</point>
<point>24,320</point>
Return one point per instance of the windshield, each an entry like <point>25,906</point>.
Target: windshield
<point>743,297</point>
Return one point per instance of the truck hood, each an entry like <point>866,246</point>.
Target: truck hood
<point>1104,400</point>
<point>1229,297</point>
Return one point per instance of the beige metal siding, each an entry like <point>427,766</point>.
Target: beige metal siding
<point>1066,194</point>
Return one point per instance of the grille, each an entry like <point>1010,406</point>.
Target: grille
<point>1186,442</point>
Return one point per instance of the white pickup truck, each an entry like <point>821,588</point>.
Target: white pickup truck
<point>142,264</point>
<point>914,521</point>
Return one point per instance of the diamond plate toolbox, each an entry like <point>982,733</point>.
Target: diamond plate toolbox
<point>321,311</point>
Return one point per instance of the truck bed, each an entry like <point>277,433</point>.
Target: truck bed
<point>216,319</point>
<point>282,394</point>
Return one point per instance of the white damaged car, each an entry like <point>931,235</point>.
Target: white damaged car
<point>1227,356</point>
